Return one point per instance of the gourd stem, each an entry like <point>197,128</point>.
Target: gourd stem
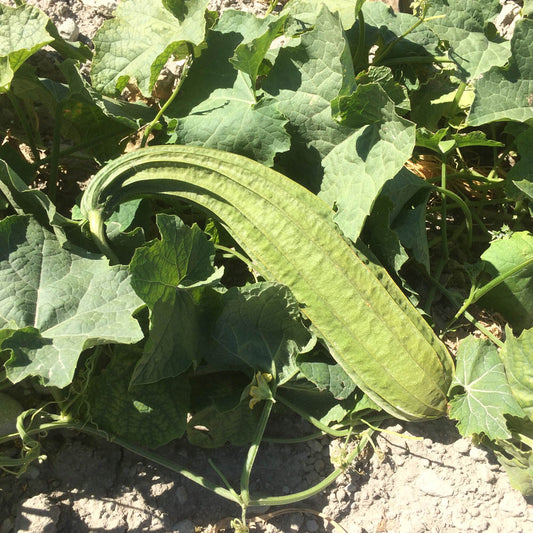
<point>97,228</point>
<point>147,454</point>
<point>254,447</point>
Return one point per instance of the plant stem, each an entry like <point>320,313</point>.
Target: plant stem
<point>319,487</point>
<point>416,59</point>
<point>54,156</point>
<point>381,55</point>
<point>361,56</point>
<point>236,254</point>
<point>454,106</point>
<point>147,454</point>
<point>175,92</point>
<point>271,7</point>
<point>28,129</point>
<point>97,227</point>
<point>254,447</point>
<point>464,208</point>
<point>479,292</point>
<point>453,299</point>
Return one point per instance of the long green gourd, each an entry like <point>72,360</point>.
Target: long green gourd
<point>370,327</point>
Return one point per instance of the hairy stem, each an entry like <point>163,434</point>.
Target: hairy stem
<point>165,106</point>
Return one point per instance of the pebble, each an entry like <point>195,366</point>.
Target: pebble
<point>311,526</point>
<point>514,505</point>
<point>430,483</point>
<point>6,526</point>
<point>488,476</point>
<point>296,522</point>
<point>462,446</point>
<point>181,494</point>
<point>478,454</point>
<point>69,30</point>
<point>315,445</point>
<point>185,526</point>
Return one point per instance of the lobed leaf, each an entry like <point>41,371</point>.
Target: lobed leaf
<point>463,28</point>
<point>517,357</point>
<point>22,32</point>
<point>513,298</point>
<point>58,302</point>
<point>506,93</point>
<point>164,274</point>
<point>149,415</point>
<point>139,40</point>
<point>218,106</point>
<point>487,397</point>
<point>357,168</point>
<point>260,324</point>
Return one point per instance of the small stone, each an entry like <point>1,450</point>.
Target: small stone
<point>341,495</point>
<point>428,443</point>
<point>296,522</point>
<point>315,445</point>
<point>430,483</point>
<point>69,30</point>
<point>181,494</point>
<point>7,525</point>
<point>462,446</point>
<point>319,465</point>
<point>352,487</point>
<point>397,428</point>
<point>184,526</point>
<point>478,454</point>
<point>488,476</point>
<point>311,526</point>
<point>513,504</point>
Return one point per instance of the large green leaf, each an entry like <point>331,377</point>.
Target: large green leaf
<point>212,427</point>
<point>518,464</point>
<point>308,11</point>
<point>357,168</point>
<point>218,107</point>
<point>513,298</point>
<point>517,357</point>
<point>259,324</point>
<point>463,28</point>
<point>409,195</point>
<point>140,39</point>
<point>22,33</point>
<point>480,394</point>
<point>384,27</point>
<point>248,56</point>
<point>149,415</point>
<point>383,241</point>
<point>304,80</point>
<point>505,93</point>
<point>319,368</point>
<point>60,301</point>
<point>164,274</point>
<point>97,123</point>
